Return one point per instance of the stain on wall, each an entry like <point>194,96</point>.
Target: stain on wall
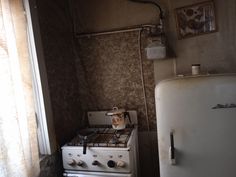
<point>113,71</point>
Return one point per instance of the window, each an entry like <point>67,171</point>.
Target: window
<point>46,135</point>
<point>18,137</point>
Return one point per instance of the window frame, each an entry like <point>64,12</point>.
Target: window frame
<point>43,111</point>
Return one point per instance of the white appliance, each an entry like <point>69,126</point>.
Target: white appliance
<point>108,152</point>
<point>196,122</point>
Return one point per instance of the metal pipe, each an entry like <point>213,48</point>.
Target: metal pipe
<point>114,31</point>
<point>161,25</point>
<point>150,2</point>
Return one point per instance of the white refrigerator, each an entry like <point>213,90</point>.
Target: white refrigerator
<point>196,125</point>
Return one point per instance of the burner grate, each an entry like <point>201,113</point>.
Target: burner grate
<point>105,137</point>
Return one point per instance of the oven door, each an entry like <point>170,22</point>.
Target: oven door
<point>95,174</point>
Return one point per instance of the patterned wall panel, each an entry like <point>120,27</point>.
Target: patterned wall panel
<point>113,74</point>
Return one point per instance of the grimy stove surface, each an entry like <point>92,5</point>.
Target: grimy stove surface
<point>102,151</point>
<point>103,137</point>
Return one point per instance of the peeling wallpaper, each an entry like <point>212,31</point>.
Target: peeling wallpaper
<point>113,75</point>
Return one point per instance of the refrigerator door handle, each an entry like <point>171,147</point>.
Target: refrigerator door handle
<point>172,154</point>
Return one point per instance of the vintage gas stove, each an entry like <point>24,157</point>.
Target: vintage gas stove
<point>102,151</point>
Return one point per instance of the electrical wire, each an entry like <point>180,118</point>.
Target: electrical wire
<point>142,79</point>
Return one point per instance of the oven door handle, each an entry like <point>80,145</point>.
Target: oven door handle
<point>71,175</point>
<point>102,174</point>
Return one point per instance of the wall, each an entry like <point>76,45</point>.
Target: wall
<point>215,51</point>
<point>111,62</point>
<point>58,52</point>
<point>93,16</point>
<point>114,78</point>
<point>57,39</point>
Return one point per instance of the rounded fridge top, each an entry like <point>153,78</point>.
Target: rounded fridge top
<point>192,78</point>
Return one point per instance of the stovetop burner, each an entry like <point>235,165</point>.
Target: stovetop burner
<point>104,137</point>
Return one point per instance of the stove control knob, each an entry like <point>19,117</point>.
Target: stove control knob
<point>80,163</point>
<point>71,162</point>
<point>95,163</point>
<point>111,164</point>
<point>120,163</point>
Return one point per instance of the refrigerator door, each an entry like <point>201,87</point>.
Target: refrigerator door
<point>197,116</point>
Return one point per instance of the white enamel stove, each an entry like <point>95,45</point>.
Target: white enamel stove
<point>107,153</point>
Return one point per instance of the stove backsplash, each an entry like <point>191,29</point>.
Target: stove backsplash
<point>111,66</point>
